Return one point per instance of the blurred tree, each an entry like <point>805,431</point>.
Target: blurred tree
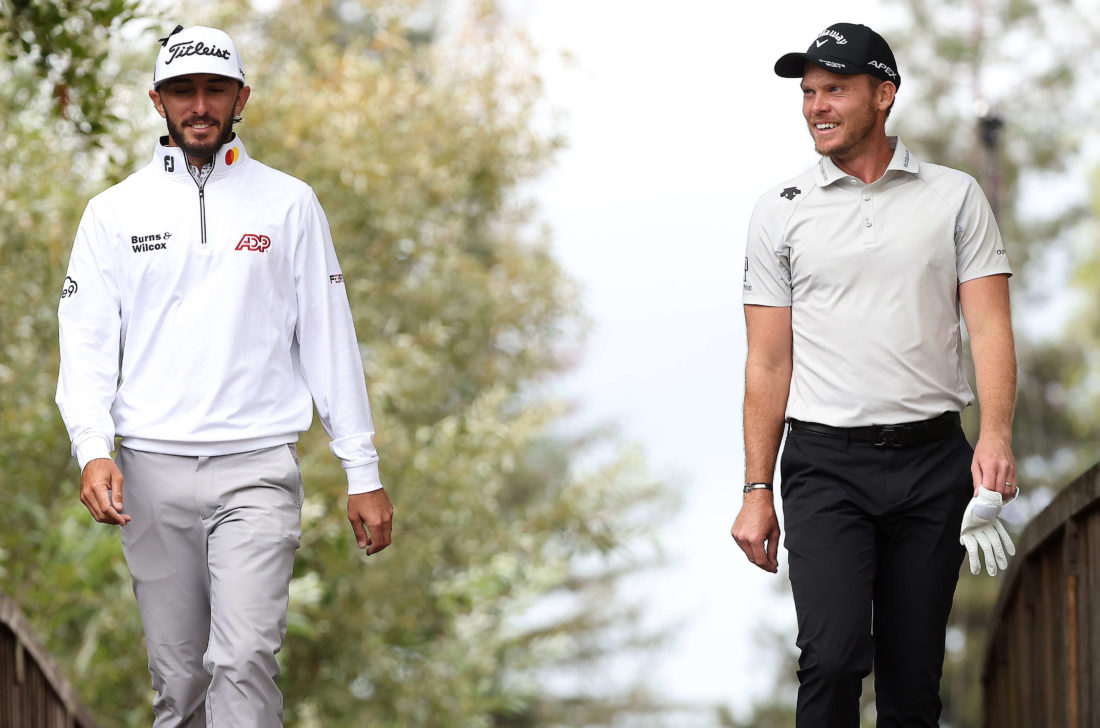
<point>509,540</point>
<point>1084,320</point>
<point>1001,89</point>
<point>65,135</point>
<point>61,48</point>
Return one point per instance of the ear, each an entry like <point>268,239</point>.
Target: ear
<point>242,99</point>
<point>154,96</point>
<point>884,95</point>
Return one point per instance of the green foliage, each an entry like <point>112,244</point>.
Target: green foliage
<point>415,148</point>
<point>1080,392</point>
<point>64,45</point>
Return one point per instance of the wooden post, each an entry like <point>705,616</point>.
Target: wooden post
<point>1071,623</point>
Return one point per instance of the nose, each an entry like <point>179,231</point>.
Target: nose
<point>200,103</point>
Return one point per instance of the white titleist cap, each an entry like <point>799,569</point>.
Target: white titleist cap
<point>197,50</point>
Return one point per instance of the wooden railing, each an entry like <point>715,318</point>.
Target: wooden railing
<point>33,692</point>
<point>1042,663</point>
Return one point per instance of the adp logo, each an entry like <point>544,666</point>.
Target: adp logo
<point>249,241</point>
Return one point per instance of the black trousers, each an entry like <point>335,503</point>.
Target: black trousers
<point>874,553</point>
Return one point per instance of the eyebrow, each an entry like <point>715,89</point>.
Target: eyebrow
<point>826,84</point>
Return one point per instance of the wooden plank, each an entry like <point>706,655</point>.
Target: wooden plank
<point>1031,687</point>
<point>1073,677</point>
<point>1089,616</point>
<point>7,678</point>
<point>1017,643</point>
<point>31,699</point>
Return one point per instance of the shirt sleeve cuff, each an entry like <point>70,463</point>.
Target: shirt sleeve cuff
<point>91,448</point>
<point>363,478</point>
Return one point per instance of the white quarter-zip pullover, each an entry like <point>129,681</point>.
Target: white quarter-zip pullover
<point>208,319</point>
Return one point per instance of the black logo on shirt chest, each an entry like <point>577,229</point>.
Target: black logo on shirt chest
<point>148,243</point>
<point>790,192</point>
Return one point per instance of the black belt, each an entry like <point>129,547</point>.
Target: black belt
<point>900,435</point>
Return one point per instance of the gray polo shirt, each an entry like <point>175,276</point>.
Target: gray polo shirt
<point>871,273</point>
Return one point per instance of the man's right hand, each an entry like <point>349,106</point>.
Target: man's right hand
<point>371,516</point>
<point>101,491</point>
<point>756,530</point>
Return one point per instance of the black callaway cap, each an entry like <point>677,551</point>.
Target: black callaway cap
<point>844,48</point>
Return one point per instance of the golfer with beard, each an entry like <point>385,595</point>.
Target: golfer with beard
<point>202,318</point>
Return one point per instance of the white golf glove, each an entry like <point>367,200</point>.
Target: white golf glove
<point>982,529</point>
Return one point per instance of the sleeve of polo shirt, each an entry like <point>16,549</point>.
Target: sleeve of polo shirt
<point>979,249</point>
<point>329,352</point>
<point>767,279</point>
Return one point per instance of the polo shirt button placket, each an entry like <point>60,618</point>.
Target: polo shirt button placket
<point>868,215</point>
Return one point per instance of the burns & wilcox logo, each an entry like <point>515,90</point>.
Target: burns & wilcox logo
<point>250,241</point>
<point>336,278</point>
<point>149,243</point>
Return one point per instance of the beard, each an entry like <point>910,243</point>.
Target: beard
<point>858,130</point>
<point>200,150</point>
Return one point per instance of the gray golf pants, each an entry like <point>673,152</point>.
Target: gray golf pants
<point>211,550</point>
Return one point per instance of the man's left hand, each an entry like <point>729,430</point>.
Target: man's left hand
<point>983,531</point>
<point>993,467</point>
<point>371,516</point>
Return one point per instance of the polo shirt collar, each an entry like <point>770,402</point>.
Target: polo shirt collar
<point>902,161</point>
<point>231,157</point>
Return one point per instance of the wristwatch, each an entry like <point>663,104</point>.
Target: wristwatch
<point>749,487</point>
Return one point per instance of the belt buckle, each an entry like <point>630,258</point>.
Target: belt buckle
<point>888,436</point>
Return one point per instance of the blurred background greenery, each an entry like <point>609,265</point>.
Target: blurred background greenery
<point>510,539</point>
